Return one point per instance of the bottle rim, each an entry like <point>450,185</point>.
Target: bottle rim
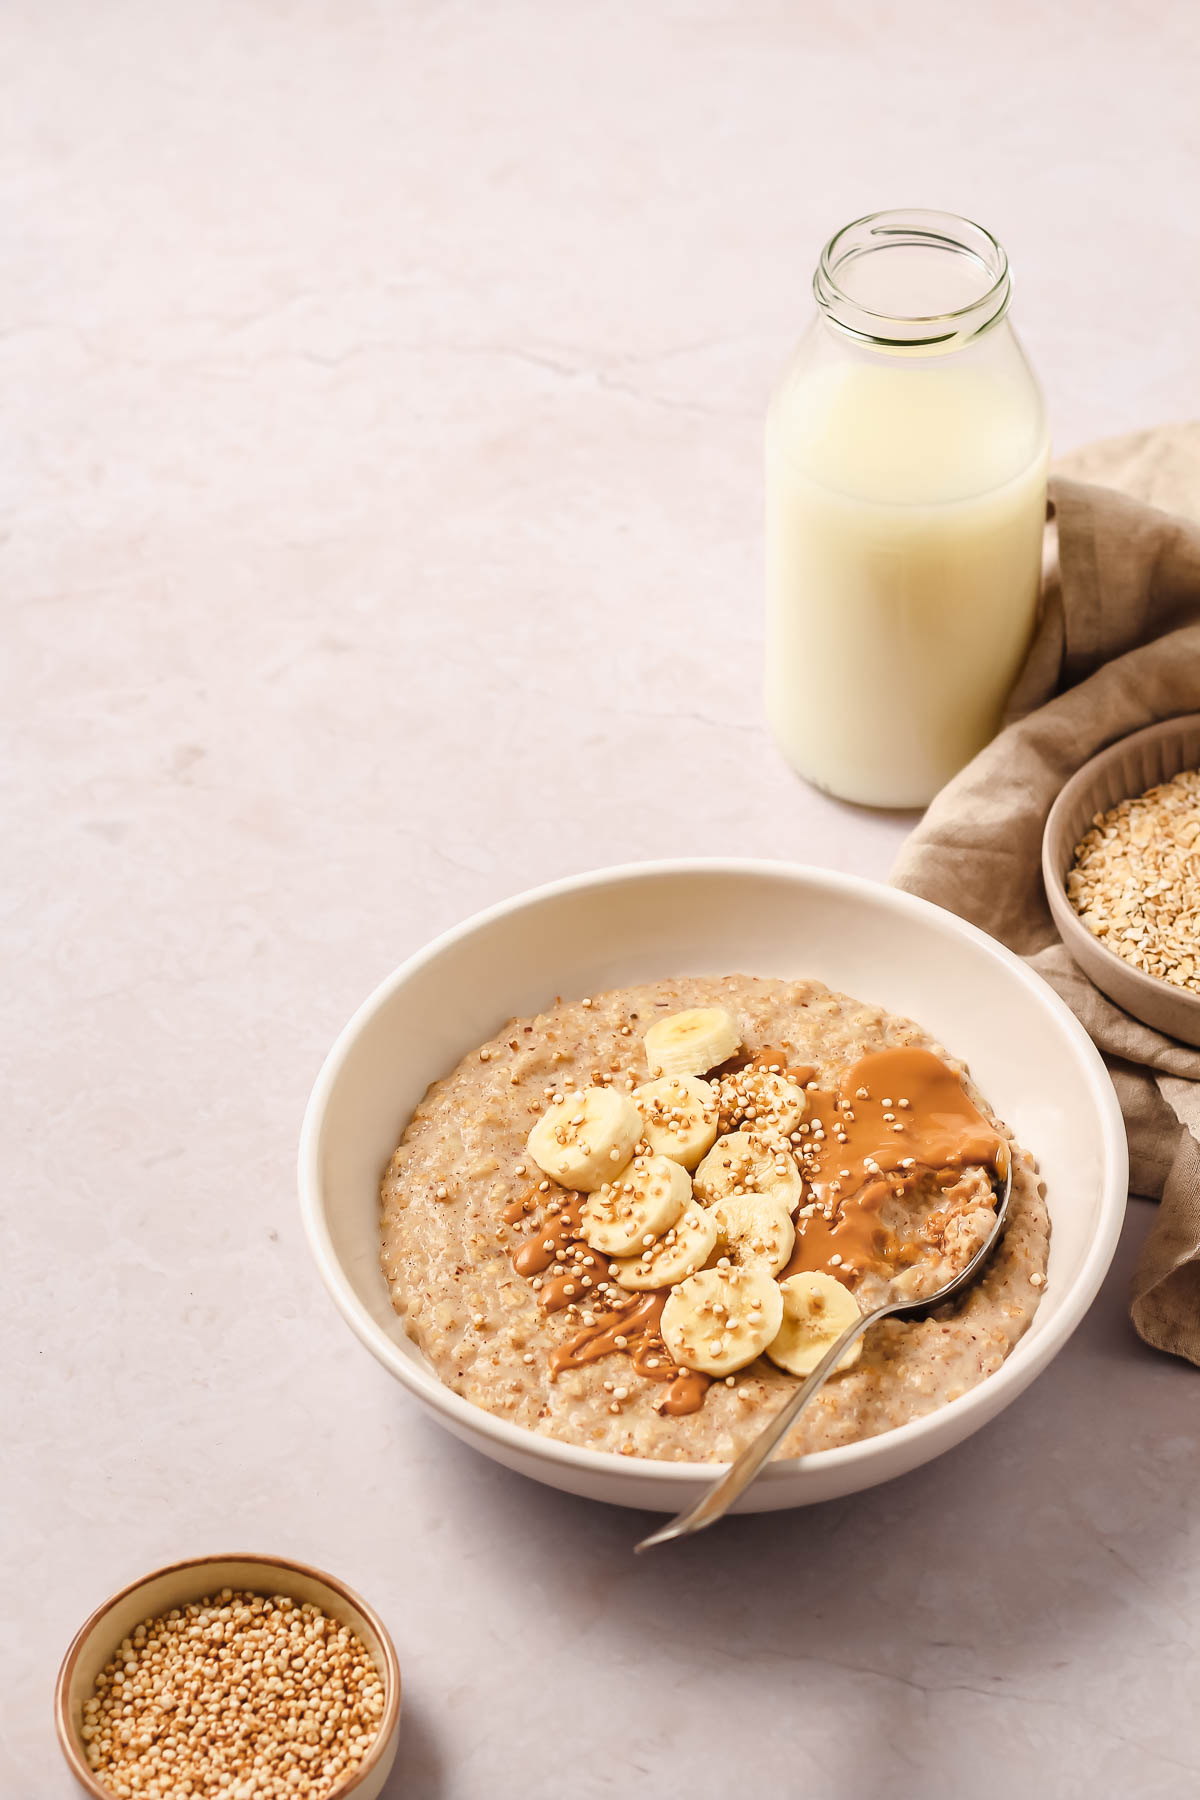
<point>913,227</point>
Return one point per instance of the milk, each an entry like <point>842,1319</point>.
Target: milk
<point>905,502</point>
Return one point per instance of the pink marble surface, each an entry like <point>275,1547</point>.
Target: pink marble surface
<point>379,535</point>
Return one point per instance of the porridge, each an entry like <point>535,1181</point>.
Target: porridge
<point>636,1220</point>
<point>237,1694</point>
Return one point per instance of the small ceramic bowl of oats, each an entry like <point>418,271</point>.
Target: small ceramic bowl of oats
<point>1121,867</point>
<point>231,1678</point>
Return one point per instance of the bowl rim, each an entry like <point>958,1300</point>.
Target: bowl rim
<point>464,1416</point>
<point>1066,919</point>
<point>68,1737</point>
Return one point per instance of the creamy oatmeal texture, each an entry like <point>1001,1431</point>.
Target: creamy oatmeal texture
<point>477,1242</point>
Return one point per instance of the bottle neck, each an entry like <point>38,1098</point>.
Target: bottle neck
<point>913,283</point>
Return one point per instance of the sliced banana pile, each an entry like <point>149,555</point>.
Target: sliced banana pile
<point>764,1099</point>
<point>680,1252</point>
<point>692,1042</point>
<point>751,1228</point>
<point>679,1116</point>
<point>582,1139</point>
<point>667,1196</point>
<point>816,1310</point>
<point>749,1162</point>
<point>631,1211</point>
<point>721,1319</point>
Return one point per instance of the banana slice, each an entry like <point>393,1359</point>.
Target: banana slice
<point>582,1139</point>
<point>680,1114</point>
<point>761,1099</point>
<point>640,1202</point>
<point>721,1319</point>
<point>685,1248</point>
<point>816,1310</point>
<point>745,1162</point>
<point>691,1042</point>
<point>754,1228</point>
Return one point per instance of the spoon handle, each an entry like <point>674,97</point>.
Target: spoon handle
<point>737,1478</point>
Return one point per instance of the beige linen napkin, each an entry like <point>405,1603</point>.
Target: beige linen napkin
<point>1117,647</point>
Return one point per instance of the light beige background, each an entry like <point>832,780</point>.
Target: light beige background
<point>381,395</point>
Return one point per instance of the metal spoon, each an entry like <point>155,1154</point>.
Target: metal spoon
<point>737,1478</point>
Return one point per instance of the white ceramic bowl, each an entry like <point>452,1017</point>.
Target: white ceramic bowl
<point>181,1583</point>
<point>1028,1053</point>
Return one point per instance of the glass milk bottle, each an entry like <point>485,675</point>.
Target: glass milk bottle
<point>906,493</point>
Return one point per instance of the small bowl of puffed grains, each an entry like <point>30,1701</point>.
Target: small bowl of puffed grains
<point>240,1677</point>
<point>1121,868</point>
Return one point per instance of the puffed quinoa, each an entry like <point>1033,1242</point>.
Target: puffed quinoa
<point>239,1695</point>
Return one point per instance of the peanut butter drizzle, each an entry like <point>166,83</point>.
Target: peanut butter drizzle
<point>560,1231</point>
<point>637,1324</point>
<point>940,1132</point>
<point>686,1392</point>
<point>768,1058</point>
